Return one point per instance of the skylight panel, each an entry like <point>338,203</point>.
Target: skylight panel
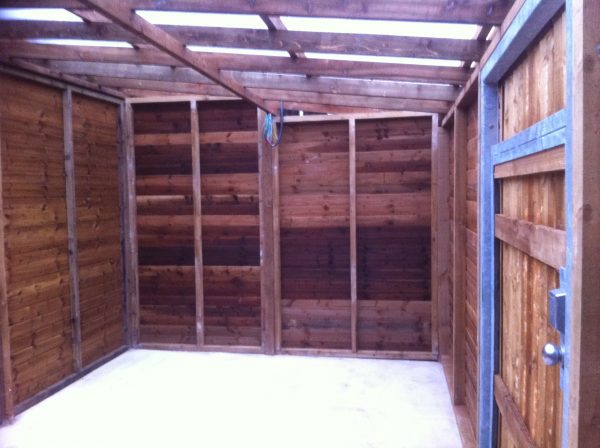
<point>42,14</point>
<point>83,42</point>
<point>380,27</point>
<point>243,51</point>
<point>384,59</point>
<point>177,18</point>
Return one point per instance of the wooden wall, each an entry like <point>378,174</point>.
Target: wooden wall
<point>393,233</point>
<point>230,223</point>
<point>471,321</point>
<point>533,90</point>
<point>393,184</point>
<point>312,266</point>
<point>45,282</point>
<point>315,236</point>
<point>101,286</point>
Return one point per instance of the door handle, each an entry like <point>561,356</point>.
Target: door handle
<point>552,354</point>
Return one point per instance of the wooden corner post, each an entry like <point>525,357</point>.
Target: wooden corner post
<point>130,227</point>
<point>440,238</point>
<point>72,226</point>
<point>267,241</point>
<point>581,416</point>
<point>7,410</point>
<point>459,257</point>
<point>197,195</point>
<point>353,277</point>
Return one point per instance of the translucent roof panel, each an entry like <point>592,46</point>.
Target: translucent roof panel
<point>247,21</point>
<point>380,27</point>
<point>83,42</point>
<point>244,51</point>
<point>45,14</point>
<point>384,59</point>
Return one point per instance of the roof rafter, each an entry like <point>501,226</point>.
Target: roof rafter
<point>162,40</point>
<point>483,12</point>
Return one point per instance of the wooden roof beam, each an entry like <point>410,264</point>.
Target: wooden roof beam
<point>294,42</point>
<point>343,86</point>
<point>482,12</point>
<point>274,23</point>
<point>126,17</point>
<point>314,67</point>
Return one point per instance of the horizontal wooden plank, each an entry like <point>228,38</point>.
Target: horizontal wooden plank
<point>489,12</point>
<point>546,244</point>
<point>546,134</point>
<point>542,162</point>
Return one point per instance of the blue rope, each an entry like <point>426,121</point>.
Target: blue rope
<point>269,128</point>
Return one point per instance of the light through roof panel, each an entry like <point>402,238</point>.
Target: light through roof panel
<point>42,14</point>
<point>83,42</point>
<point>384,59</point>
<point>380,27</point>
<point>243,51</point>
<point>246,21</point>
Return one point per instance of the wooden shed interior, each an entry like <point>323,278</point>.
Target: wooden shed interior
<point>434,197</point>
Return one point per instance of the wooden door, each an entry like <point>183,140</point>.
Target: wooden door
<point>523,254</point>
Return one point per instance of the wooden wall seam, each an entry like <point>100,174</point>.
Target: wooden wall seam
<point>6,375</point>
<point>353,242</point>
<point>71,204</point>
<point>197,200</point>
<point>131,247</point>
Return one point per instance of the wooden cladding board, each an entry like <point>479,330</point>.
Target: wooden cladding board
<point>165,224</point>
<point>533,90</point>
<point>315,236</point>
<point>101,283</point>
<point>536,87</point>
<point>38,280</point>
<point>35,226</point>
<point>471,260</point>
<point>394,234</point>
<point>230,223</point>
<point>534,387</point>
<point>393,203</point>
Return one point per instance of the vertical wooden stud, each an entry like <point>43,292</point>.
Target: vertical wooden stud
<point>440,238</point>
<point>582,414</point>
<point>122,170</point>
<point>267,252</point>
<point>72,226</point>
<point>353,279</point>
<point>276,250</point>
<point>130,227</point>
<point>459,263</point>
<point>6,390</point>
<point>197,195</point>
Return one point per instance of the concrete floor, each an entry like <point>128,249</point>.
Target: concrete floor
<point>178,399</point>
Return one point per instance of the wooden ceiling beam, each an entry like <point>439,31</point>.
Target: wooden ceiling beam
<point>342,86</point>
<point>126,17</point>
<point>274,23</point>
<point>483,12</point>
<point>175,87</point>
<point>313,67</point>
<point>354,101</point>
<point>293,42</point>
